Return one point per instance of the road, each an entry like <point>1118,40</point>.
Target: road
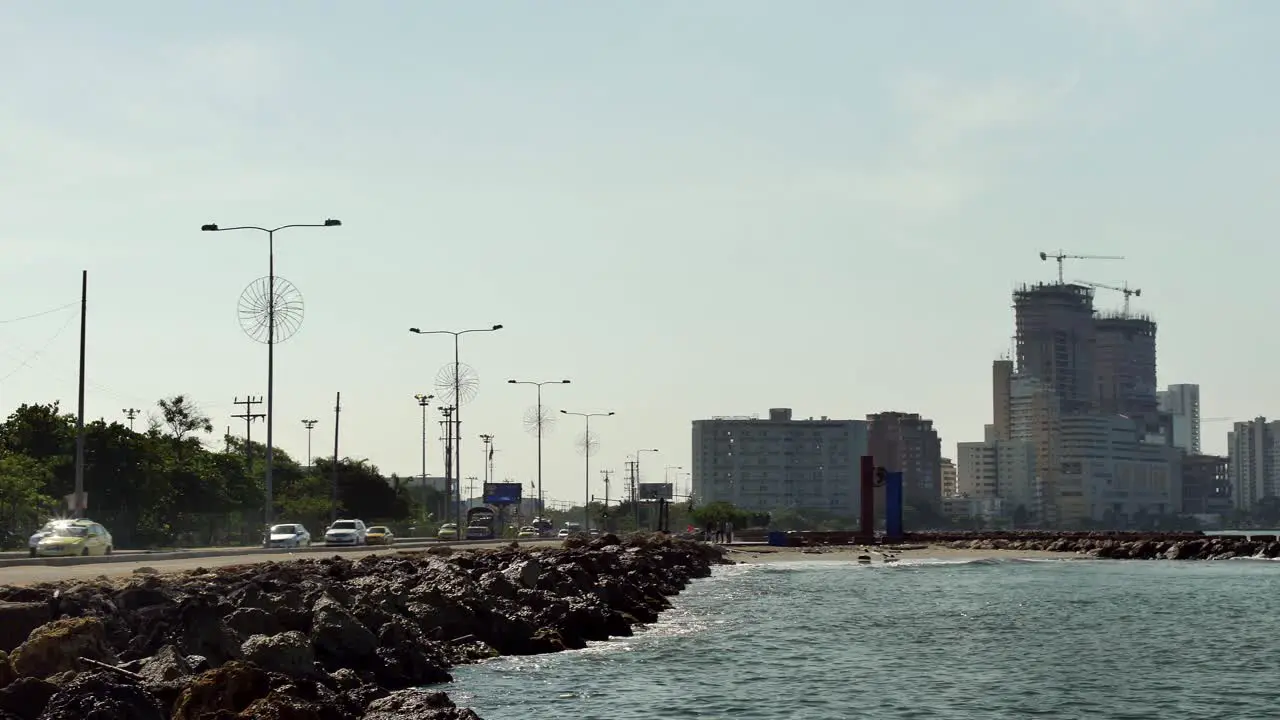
<point>26,575</point>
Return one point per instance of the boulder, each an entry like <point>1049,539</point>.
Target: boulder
<point>58,646</point>
<point>26,697</point>
<point>18,619</point>
<point>524,573</point>
<point>166,666</point>
<point>416,705</point>
<point>228,689</point>
<point>339,638</point>
<point>102,695</point>
<point>289,653</point>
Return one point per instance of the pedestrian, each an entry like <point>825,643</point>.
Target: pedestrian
<point>709,533</point>
<point>728,531</point>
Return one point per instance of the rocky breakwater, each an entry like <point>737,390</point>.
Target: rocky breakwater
<point>1115,545</point>
<point>328,639</point>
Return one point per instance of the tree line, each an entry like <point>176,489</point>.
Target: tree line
<point>173,483</point>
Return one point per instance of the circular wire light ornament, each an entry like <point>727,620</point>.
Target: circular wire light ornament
<point>255,309</point>
<point>460,379</point>
<point>588,444</point>
<point>535,422</point>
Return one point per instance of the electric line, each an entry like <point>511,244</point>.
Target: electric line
<point>26,363</point>
<point>39,314</point>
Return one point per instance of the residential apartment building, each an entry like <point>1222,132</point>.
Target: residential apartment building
<point>779,463</point>
<point>908,443</point>
<point>1253,448</point>
<point>996,468</point>
<point>1182,404</point>
<point>1206,484</point>
<point>950,486</point>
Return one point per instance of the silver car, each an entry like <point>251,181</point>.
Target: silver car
<point>289,535</point>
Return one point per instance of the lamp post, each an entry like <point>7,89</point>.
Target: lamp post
<point>457,405</point>
<point>635,491</point>
<point>309,425</point>
<point>586,458</point>
<point>271,331</point>
<point>423,402</point>
<point>541,508</point>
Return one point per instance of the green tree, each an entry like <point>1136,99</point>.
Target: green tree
<point>23,501</point>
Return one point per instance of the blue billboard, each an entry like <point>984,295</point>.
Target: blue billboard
<point>502,493</point>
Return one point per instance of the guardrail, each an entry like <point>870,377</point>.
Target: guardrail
<point>195,554</point>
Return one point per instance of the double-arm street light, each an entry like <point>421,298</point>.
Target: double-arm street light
<point>457,407</point>
<point>540,419</point>
<point>586,457</point>
<point>271,332</point>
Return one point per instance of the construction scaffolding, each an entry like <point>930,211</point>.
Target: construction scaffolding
<point>1055,339</point>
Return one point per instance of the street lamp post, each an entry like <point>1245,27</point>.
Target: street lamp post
<point>586,458</point>
<point>457,405</point>
<point>635,491</point>
<point>309,425</point>
<point>423,402</point>
<point>271,332</point>
<point>541,508</point>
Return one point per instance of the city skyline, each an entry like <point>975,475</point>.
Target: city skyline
<point>644,243</point>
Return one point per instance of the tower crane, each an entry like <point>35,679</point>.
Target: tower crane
<point>1128,291</point>
<point>1060,256</point>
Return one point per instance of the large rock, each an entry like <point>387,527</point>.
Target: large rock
<point>339,638</point>
<point>417,705</point>
<point>166,666</point>
<point>101,695</point>
<point>289,653</point>
<point>58,646</point>
<point>18,619</point>
<point>228,689</point>
<point>26,697</point>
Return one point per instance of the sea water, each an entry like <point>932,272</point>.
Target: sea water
<point>1131,640</point>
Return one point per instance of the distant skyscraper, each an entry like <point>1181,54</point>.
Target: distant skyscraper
<point>1055,340</point>
<point>1182,403</point>
<point>950,483</point>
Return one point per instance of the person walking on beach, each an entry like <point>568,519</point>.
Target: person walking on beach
<point>728,531</point>
<point>709,533</point>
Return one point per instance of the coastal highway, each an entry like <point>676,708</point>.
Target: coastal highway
<point>29,574</point>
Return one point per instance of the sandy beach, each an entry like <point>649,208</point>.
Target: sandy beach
<point>837,553</point>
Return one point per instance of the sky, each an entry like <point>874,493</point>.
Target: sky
<point>688,209</point>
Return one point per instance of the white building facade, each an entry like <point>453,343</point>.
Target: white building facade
<point>779,463</point>
<point>1182,403</point>
<point>1108,474</point>
<point>1253,449</point>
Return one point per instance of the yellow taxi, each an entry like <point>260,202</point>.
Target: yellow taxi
<point>379,535</point>
<point>78,537</point>
<point>448,531</point>
<point>528,531</point>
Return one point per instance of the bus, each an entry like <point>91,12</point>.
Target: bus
<point>480,523</point>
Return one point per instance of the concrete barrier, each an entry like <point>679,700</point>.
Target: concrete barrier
<point>195,554</point>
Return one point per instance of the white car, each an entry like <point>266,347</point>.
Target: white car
<point>564,533</point>
<point>346,532</point>
<point>290,535</point>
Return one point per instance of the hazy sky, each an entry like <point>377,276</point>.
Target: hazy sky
<point>689,208</point>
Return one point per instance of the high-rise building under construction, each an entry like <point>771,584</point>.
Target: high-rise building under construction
<point>1125,366</point>
<point>1056,339</point>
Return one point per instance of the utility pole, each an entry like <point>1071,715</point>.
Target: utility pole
<point>488,457</point>
<point>423,402</point>
<point>631,491</point>
<point>451,507</point>
<point>131,413</point>
<point>606,474</point>
<point>248,416</point>
<point>471,487</point>
<point>333,498</point>
<point>309,425</point>
<point>79,499</point>
<point>636,479</point>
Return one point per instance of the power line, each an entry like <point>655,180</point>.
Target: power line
<point>40,314</point>
<point>26,362</point>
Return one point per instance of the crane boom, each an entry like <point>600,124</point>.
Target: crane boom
<point>1128,291</point>
<point>1060,256</point>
